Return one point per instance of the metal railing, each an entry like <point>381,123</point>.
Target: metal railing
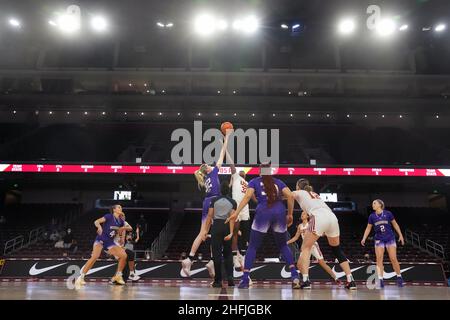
<point>166,235</point>
<point>413,238</point>
<point>435,248</point>
<point>431,247</point>
<point>13,244</point>
<point>35,234</point>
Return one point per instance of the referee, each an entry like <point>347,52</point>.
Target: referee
<point>220,209</point>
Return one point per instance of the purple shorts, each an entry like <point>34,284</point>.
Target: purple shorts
<point>106,243</point>
<point>385,243</point>
<point>206,204</point>
<point>270,218</point>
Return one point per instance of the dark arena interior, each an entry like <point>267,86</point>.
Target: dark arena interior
<point>108,108</point>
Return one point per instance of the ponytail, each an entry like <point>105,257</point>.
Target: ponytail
<point>200,179</point>
<point>270,189</point>
<point>200,176</point>
<point>303,184</point>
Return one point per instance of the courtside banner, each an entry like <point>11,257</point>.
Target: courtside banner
<point>35,268</point>
<point>175,169</point>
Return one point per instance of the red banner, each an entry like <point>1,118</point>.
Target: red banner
<point>175,169</point>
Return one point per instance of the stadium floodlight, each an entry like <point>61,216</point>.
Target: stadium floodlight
<point>248,25</point>
<point>440,27</point>
<point>222,25</point>
<point>52,23</point>
<point>284,26</point>
<point>296,26</point>
<point>169,25</point>
<point>346,26</point>
<point>386,27</point>
<point>160,24</point>
<point>68,23</point>
<point>99,23</point>
<point>15,23</point>
<point>205,25</point>
<point>403,27</point>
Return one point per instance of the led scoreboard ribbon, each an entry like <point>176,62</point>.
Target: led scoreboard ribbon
<point>180,169</point>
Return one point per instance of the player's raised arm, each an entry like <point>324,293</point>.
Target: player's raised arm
<point>232,167</point>
<point>223,150</point>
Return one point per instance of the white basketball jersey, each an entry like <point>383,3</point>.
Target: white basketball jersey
<point>311,203</point>
<point>239,188</point>
<point>303,228</point>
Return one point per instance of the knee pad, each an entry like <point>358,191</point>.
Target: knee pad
<point>130,254</point>
<point>337,251</point>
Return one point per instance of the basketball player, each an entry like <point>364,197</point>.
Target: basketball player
<point>208,179</point>
<point>315,251</point>
<point>322,222</point>
<point>239,188</point>
<point>270,213</point>
<point>112,225</point>
<point>383,221</point>
<point>120,240</point>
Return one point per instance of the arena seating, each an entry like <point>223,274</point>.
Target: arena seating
<point>84,233</point>
<point>429,223</point>
<point>21,219</point>
<point>328,144</point>
<point>288,53</point>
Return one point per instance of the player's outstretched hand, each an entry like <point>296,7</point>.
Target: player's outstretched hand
<point>402,241</point>
<point>363,243</point>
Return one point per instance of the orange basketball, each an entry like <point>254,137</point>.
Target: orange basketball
<point>225,126</point>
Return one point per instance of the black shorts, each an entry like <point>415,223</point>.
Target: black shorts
<point>131,255</point>
<point>244,227</point>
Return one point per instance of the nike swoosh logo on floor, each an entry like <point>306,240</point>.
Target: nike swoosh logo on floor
<point>35,271</point>
<point>140,272</point>
<point>93,270</point>
<point>182,274</point>
<point>238,274</point>
<point>389,275</point>
<point>285,274</point>
<point>341,274</point>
